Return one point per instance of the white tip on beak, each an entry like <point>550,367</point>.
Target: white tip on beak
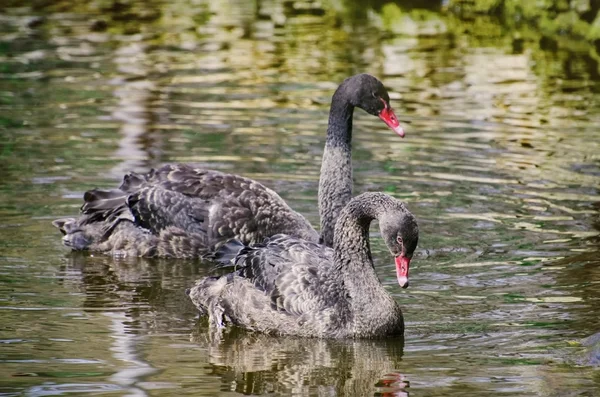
<point>399,130</point>
<point>403,281</point>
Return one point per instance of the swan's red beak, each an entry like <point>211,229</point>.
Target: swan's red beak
<point>388,117</point>
<point>402,264</point>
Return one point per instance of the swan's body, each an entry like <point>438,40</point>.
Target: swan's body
<point>181,211</point>
<point>295,287</point>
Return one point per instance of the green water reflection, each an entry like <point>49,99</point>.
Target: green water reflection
<point>501,165</point>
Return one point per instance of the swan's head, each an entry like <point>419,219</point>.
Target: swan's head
<point>369,94</point>
<point>400,231</point>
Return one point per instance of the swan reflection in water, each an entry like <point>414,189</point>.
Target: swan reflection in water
<point>151,293</point>
<point>255,363</point>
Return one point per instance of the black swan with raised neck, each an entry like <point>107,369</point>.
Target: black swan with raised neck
<point>289,286</point>
<point>185,212</point>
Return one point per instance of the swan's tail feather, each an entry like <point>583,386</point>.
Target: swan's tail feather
<point>63,224</point>
<point>102,201</point>
<point>109,204</point>
<point>133,181</point>
<point>101,212</point>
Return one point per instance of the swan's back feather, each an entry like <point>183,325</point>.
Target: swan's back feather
<point>283,280</point>
<point>276,258</point>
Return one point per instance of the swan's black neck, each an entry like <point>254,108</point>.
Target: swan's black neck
<point>371,305</point>
<point>339,130</point>
<point>335,185</point>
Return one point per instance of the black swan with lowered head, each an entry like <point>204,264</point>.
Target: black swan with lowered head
<point>181,211</point>
<point>289,286</point>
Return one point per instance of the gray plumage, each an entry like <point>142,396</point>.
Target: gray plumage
<point>286,285</point>
<point>180,211</point>
<point>185,212</point>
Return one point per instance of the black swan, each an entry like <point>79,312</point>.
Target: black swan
<point>181,211</point>
<point>290,286</point>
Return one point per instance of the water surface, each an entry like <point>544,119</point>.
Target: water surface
<point>501,166</point>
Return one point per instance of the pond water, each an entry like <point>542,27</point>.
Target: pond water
<point>500,165</point>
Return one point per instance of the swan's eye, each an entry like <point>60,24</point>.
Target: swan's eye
<point>399,240</point>
<point>374,95</point>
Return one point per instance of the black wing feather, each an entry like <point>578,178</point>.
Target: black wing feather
<point>289,271</point>
<point>210,206</point>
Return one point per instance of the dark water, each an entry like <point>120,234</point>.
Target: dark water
<point>501,166</point>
